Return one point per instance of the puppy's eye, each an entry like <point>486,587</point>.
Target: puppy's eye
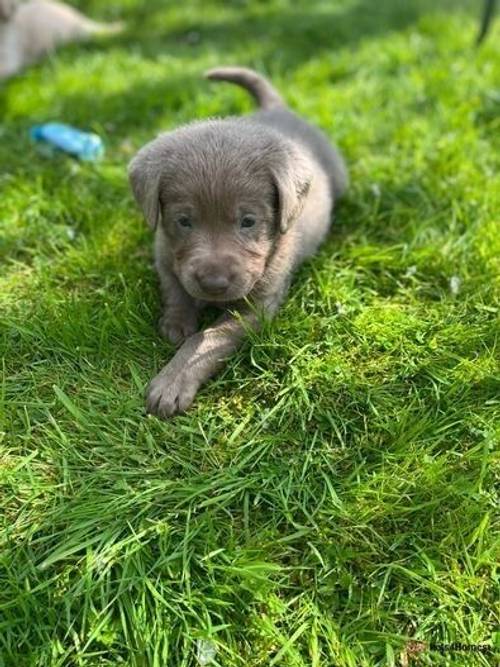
<point>247,221</point>
<point>184,221</point>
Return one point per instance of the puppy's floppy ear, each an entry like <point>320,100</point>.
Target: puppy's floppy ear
<point>292,178</point>
<point>144,173</point>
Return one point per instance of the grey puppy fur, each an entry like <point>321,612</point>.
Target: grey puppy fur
<point>236,204</point>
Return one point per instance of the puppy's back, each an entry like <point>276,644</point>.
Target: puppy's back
<point>274,114</point>
<point>292,126</point>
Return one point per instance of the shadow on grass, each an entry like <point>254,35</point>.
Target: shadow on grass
<point>287,35</point>
<point>286,38</point>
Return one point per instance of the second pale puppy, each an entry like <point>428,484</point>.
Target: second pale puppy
<point>236,204</point>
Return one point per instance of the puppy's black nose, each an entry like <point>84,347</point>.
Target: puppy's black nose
<point>213,283</point>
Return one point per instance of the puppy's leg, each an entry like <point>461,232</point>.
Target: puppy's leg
<point>203,354</point>
<point>180,315</point>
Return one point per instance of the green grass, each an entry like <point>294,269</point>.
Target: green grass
<point>332,493</point>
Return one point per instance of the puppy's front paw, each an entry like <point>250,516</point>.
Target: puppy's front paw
<point>170,392</point>
<point>177,328</point>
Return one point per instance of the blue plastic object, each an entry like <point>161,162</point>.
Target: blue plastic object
<point>84,145</point>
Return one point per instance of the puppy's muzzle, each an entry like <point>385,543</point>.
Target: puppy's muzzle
<point>214,282</point>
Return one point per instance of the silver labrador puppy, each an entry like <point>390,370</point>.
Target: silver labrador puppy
<point>236,204</point>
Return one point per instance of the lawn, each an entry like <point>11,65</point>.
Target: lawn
<point>331,495</point>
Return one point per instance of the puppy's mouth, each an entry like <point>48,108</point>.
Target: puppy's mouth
<point>220,294</point>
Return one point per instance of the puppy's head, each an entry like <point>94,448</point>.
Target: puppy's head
<point>223,192</point>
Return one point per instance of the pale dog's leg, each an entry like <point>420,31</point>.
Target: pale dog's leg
<point>10,56</point>
<point>31,29</point>
<point>7,8</point>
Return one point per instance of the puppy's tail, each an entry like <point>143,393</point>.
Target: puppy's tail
<point>266,96</point>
